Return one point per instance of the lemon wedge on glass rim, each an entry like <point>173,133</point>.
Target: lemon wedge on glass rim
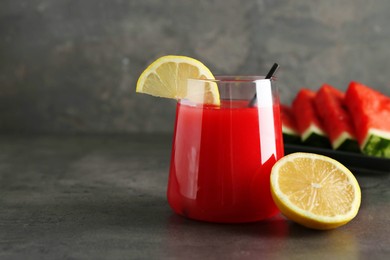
<point>315,191</point>
<point>168,77</point>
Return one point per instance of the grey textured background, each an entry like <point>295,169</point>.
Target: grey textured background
<point>71,66</point>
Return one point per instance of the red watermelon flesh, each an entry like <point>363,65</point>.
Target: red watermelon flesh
<point>336,120</point>
<point>289,127</point>
<point>288,120</point>
<point>308,123</point>
<point>370,111</point>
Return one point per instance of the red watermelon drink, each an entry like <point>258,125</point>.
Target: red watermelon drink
<point>222,155</point>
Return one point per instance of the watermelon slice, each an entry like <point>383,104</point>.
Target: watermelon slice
<point>289,127</point>
<point>308,123</point>
<point>335,118</point>
<point>370,111</point>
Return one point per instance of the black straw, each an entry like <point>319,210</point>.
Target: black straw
<point>270,74</point>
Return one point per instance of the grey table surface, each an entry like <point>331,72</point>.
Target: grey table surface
<point>103,197</point>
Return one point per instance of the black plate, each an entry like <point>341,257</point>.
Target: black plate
<point>354,161</point>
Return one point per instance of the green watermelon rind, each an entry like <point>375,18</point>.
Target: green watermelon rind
<point>291,139</point>
<point>289,131</point>
<point>349,146</point>
<point>312,129</point>
<point>376,143</point>
<point>346,142</point>
<point>314,136</point>
<point>290,135</point>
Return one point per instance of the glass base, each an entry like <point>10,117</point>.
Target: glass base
<point>232,218</point>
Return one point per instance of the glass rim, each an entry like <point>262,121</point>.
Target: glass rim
<point>235,79</point>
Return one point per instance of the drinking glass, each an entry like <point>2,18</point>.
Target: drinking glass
<point>222,154</point>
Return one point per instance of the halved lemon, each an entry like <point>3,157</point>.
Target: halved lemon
<point>168,77</point>
<point>315,191</point>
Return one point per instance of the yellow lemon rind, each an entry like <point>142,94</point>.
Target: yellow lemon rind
<point>307,218</point>
<point>176,92</point>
